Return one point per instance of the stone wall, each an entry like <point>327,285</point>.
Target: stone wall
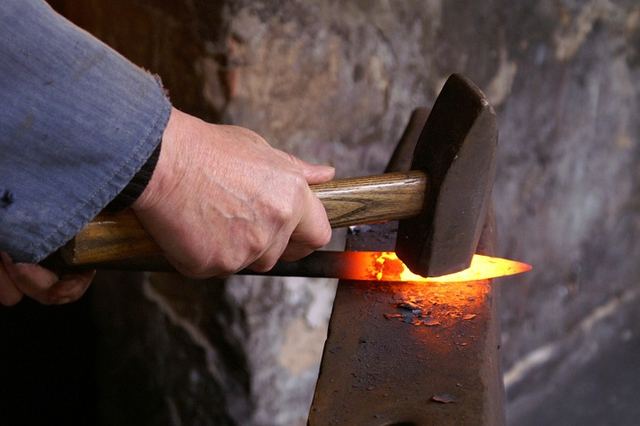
<point>567,188</point>
<point>334,82</point>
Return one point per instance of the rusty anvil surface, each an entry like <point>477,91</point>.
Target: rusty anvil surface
<point>410,354</point>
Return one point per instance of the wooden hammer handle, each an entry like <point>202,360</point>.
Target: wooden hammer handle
<point>348,202</point>
<point>370,199</point>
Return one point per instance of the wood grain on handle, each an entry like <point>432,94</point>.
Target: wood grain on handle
<point>348,202</point>
<point>370,199</point>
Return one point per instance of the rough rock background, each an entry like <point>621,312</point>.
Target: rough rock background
<point>334,82</point>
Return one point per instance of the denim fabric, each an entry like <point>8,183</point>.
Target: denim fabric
<point>77,121</point>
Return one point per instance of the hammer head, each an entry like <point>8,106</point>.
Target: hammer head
<point>456,149</point>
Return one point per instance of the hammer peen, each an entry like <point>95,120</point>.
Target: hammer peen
<point>441,203</point>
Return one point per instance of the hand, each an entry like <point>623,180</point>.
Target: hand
<point>39,283</point>
<point>221,199</point>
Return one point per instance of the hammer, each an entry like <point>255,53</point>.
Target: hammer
<point>441,203</point>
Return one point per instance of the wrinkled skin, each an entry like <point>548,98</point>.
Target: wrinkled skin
<point>221,199</point>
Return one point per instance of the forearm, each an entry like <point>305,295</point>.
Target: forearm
<point>77,122</point>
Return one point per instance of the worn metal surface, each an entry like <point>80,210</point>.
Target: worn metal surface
<point>410,354</point>
<point>457,150</point>
<point>393,348</point>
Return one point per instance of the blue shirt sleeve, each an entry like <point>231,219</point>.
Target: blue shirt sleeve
<point>77,121</point>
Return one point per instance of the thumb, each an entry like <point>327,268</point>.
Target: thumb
<point>313,173</point>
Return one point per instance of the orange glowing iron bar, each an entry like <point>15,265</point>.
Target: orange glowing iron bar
<point>388,267</point>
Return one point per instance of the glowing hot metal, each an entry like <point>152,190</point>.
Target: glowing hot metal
<point>388,267</point>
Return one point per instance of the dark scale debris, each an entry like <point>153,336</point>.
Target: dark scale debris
<point>391,316</point>
<point>444,398</point>
<point>410,312</point>
<point>419,310</point>
<point>408,306</point>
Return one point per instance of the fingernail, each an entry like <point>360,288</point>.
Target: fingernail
<point>327,169</point>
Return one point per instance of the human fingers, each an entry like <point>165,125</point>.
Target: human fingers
<point>44,285</point>
<point>70,287</point>
<point>9,293</point>
<point>312,232</point>
<point>268,258</point>
<point>313,173</point>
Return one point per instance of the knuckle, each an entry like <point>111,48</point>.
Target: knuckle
<point>257,243</point>
<point>286,216</point>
